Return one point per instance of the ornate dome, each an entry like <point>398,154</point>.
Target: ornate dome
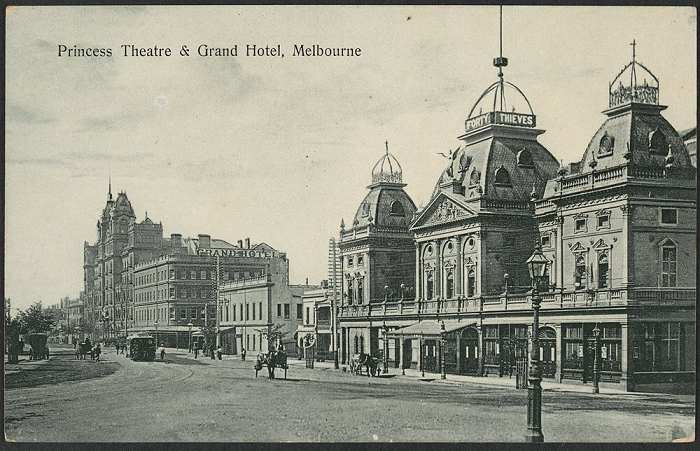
<point>386,205</point>
<point>387,169</point>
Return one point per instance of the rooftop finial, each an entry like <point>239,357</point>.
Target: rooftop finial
<point>109,192</point>
<point>386,144</point>
<point>500,61</point>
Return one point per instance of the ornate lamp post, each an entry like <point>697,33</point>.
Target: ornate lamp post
<point>189,326</point>
<point>443,343</point>
<point>385,364</point>
<point>155,323</point>
<point>596,363</point>
<point>537,267</point>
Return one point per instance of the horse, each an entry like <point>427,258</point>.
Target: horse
<point>271,360</point>
<point>82,350</point>
<point>370,363</point>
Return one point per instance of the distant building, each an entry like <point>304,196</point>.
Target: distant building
<point>690,139</point>
<point>317,321</point>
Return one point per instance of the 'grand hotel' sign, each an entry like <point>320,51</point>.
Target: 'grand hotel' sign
<point>219,252</point>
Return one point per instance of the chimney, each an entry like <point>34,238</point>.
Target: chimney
<point>247,243</point>
<point>176,240</point>
<point>240,244</point>
<point>204,241</point>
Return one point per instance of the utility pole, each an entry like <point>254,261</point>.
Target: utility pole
<point>216,293</point>
<point>334,303</point>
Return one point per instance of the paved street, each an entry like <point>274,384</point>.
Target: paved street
<point>182,399</point>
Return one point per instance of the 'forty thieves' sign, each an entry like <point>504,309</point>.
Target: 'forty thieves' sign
<point>500,117</point>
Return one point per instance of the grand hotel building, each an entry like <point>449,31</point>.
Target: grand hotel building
<point>618,228</point>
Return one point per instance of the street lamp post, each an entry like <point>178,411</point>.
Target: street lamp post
<point>385,364</point>
<point>218,308</point>
<point>189,325</point>
<point>596,363</point>
<point>443,342</point>
<point>155,323</point>
<point>537,267</point>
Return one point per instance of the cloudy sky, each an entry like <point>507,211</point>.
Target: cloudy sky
<point>280,149</point>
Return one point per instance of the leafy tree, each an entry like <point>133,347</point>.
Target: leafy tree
<point>35,320</point>
<point>273,335</point>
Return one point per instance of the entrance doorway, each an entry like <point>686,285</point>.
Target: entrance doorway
<point>470,351</point>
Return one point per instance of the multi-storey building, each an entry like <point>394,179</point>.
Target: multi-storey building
<point>618,228</point>
<point>316,312</point>
<point>377,256</point>
<point>178,288</point>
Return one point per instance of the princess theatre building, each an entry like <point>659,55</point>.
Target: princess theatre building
<point>617,228</point>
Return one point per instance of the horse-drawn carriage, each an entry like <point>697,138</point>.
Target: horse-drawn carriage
<point>370,363</point>
<point>272,360</point>
<point>142,347</point>
<point>39,350</point>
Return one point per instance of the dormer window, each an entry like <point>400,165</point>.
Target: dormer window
<point>365,209</point>
<point>606,145</point>
<point>397,209</point>
<point>502,177</point>
<point>525,159</point>
<point>658,143</point>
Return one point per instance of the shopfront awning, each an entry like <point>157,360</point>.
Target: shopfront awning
<point>430,328</point>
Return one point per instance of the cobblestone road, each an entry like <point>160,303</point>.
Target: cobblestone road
<point>183,399</point>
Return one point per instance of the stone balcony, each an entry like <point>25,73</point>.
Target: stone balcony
<point>553,300</point>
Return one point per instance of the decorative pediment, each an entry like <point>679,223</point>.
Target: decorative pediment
<point>580,215</point>
<point>578,247</point>
<point>603,212</point>
<point>600,244</point>
<point>470,261</point>
<point>442,209</point>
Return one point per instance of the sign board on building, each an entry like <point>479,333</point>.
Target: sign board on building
<point>500,117</point>
<point>580,350</point>
<point>221,252</point>
<point>603,352</point>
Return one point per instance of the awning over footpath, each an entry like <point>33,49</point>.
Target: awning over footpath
<point>430,328</point>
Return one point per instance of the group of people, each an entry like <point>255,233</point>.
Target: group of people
<point>86,347</point>
<point>211,349</point>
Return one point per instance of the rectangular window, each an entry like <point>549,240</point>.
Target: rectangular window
<point>580,225</point>
<point>253,310</point>
<point>669,216</point>
<point>225,276</point>
<point>604,222</point>
<point>299,311</point>
<point>668,266</point>
<point>233,307</point>
<point>286,311</point>
<point>259,310</point>
<point>545,241</point>
<point>193,313</point>
<point>203,275</point>
<point>360,260</point>
<point>247,341</point>
<point>308,315</point>
<point>203,314</point>
<point>350,261</point>
<point>247,311</point>
<point>193,275</point>
<point>279,310</point>
<point>183,315</point>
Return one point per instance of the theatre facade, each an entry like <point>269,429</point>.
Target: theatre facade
<point>617,228</point>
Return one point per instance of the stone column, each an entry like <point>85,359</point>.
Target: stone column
<point>438,269</point>
<point>459,268</point>
<point>559,353</point>
<point>627,377</point>
<point>480,330</point>
<point>419,273</point>
<point>401,356</point>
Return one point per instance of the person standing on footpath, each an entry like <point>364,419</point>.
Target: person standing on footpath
<point>196,351</point>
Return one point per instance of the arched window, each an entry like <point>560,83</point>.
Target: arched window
<point>397,208</point>
<point>450,284</point>
<point>603,268</point>
<point>502,177</point>
<point>429,285</point>
<point>580,273</point>
<point>471,283</point>
<point>525,159</point>
<point>475,178</point>
<point>668,264</point>
<point>360,291</point>
<point>365,208</point>
<point>657,143</point>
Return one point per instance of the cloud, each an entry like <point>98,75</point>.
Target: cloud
<point>20,114</point>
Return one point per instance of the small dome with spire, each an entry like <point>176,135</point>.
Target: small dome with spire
<point>634,84</point>
<point>387,169</point>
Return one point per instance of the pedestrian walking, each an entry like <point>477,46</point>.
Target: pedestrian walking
<point>162,351</point>
<point>98,351</point>
<point>243,354</point>
<point>219,352</point>
<point>196,351</point>
<point>211,352</point>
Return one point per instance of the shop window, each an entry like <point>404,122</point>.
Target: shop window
<point>429,285</point>
<point>580,273</point>
<point>668,264</point>
<point>603,268</point>
<point>669,216</point>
